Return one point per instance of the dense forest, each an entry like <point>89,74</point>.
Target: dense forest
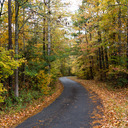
<point>33,48</point>
<point>37,46</point>
<point>102,41</point>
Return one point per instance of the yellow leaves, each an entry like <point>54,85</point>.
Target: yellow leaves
<point>1,91</point>
<point>3,65</point>
<point>1,88</point>
<point>8,63</point>
<point>7,66</point>
<point>44,81</point>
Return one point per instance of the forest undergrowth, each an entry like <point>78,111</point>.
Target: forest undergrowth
<point>114,101</point>
<point>18,114</point>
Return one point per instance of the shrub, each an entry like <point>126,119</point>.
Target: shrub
<point>117,77</point>
<point>44,80</point>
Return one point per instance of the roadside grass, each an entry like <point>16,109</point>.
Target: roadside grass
<point>114,101</point>
<point>16,114</point>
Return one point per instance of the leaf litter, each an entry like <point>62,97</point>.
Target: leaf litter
<point>12,119</point>
<point>114,113</point>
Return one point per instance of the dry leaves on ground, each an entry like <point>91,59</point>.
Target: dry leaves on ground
<point>115,103</point>
<point>9,120</point>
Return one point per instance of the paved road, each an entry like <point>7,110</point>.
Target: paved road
<point>71,110</point>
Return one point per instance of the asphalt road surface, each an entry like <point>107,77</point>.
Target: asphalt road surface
<point>72,109</point>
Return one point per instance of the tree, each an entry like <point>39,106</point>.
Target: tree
<point>49,33</point>
<point>16,46</point>
<point>10,36</point>
<point>37,37</point>
<point>1,9</point>
<point>104,23</point>
<point>127,35</point>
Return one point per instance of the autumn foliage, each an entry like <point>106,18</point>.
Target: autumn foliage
<point>102,41</point>
<point>31,45</point>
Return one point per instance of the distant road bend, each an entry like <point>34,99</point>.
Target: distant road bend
<point>71,110</point>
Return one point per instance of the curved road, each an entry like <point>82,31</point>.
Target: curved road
<point>71,110</point>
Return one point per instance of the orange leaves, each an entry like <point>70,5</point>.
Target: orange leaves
<point>11,119</point>
<point>115,103</point>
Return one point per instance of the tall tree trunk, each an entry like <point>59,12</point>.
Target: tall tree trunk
<point>100,60</point>
<point>100,54</point>
<point>23,74</point>
<point>106,51</point>
<point>127,38</point>
<point>106,58</point>
<point>44,38</point>
<point>114,52</point>
<point>16,46</point>
<point>23,29</point>
<point>49,35</point>
<point>10,39</point>
<point>1,9</point>
<point>99,41</point>
<point>91,59</point>
<point>103,63</point>
<point>91,67</point>
<point>0,25</point>
<point>9,26</point>
<point>119,34</point>
<point>44,32</point>
<point>102,57</point>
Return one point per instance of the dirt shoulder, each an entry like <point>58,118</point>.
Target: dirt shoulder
<point>115,103</point>
<point>11,120</point>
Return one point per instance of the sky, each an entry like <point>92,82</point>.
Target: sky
<point>74,4</point>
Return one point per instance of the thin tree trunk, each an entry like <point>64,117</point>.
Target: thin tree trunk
<point>100,54</point>
<point>114,53</point>
<point>103,63</point>
<point>44,32</point>
<point>102,57</point>
<point>91,67</point>
<point>44,38</point>
<point>99,41</point>
<point>9,25</point>
<point>23,75</point>
<point>1,3</point>
<point>86,39</point>
<point>127,38</point>
<point>0,28</point>
<point>91,61</point>
<point>49,35</point>
<point>119,34</point>
<point>16,46</point>
<point>10,39</point>
<point>23,29</point>
<point>106,58</point>
<point>100,60</point>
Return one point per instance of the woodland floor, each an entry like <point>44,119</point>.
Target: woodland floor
<point>112,112</point>
<point>114,101</point>
<point>12,119</point>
